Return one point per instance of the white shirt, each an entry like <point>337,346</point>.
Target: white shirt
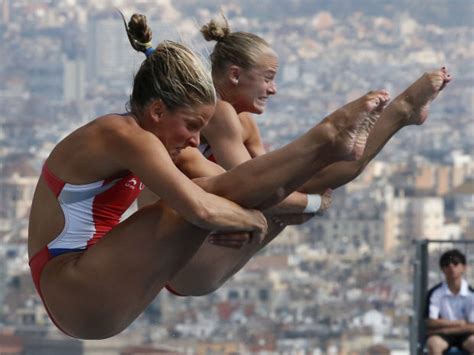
<point>446,305</point>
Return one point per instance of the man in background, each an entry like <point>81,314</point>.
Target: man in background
<point>450,308</point>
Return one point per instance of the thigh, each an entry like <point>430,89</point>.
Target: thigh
<point>216,265</point>
<point>98,293</point>
<point>456,340</point>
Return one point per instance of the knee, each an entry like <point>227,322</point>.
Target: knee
<point>469,344</point>
<point>436,344</point>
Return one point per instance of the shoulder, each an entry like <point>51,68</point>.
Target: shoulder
<point>224,108</point>
<point>225,121</point>
<point>107,145</point>
<point>122,129</point>
<point>224,114</point>
<point>122,139</point>
<point>435,291</point>
<point>115,124</point>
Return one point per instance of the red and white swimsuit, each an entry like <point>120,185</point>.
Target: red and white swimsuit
<point>206,150</point>
<point>90,212</point>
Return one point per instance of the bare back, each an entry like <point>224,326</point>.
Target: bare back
<point>80,158</point>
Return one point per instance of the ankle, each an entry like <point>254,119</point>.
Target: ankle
<point>401,110</point>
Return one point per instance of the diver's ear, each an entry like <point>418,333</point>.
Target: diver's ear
<point>157,108</point>
<point>234,74</point>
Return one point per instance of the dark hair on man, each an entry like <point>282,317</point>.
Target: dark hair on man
<point>452,256</point>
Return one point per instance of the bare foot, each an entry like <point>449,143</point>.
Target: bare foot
<point>354,121</point>
<point>366,126</point>
<point>415,100</point>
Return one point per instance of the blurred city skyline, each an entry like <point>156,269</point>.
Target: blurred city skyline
<point>339,284</point>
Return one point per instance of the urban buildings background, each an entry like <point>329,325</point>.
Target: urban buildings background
<point>339,284</point>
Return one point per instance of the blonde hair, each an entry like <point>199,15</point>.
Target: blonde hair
<point>171,73</point>
<point>240,48</point>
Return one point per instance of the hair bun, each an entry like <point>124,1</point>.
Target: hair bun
<point>138,32</point>
<point>216,31</point>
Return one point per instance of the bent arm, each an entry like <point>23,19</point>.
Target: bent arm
<point>193,164</point>
<point>434,324</point>
<point>224,133</point>
<point>235,139</point>
<point>158,172</point>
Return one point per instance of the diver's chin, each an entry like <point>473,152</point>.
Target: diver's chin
<point>258,110</point>
<point>259,107</point>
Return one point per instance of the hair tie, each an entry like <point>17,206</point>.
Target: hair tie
<point>149,51</point>
<point>149,47</point>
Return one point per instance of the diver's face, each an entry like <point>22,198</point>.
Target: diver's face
<point>257,84</point>
<point>180,128</point>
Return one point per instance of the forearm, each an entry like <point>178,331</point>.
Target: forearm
<point>459,329</point>
<point>294,203</point>
<point>220,214</point>
<point>469,328</point>
<point>435,324</point>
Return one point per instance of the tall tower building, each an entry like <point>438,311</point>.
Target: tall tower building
<point>110,58</point>
<point>3,279</point>
<point>74,79</point>
<point>5,11</point>
<point>427,217</point>
<point>17,186</point>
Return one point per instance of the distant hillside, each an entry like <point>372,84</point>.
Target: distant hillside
<point>445,13</point>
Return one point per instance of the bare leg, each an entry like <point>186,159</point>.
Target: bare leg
<point>468,344</point>
<point>436,345</point>
<point>270,172</point>
<point>98,293</point>
<point>285,169</point>
<point>218,264</point>
<point>409,108</point>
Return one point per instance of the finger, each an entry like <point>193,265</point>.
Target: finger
<point>231,236</point>
<point>276,220</point>
<point>227,244</point>
<point>231,242</point>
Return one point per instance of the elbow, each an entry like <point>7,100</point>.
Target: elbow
<point>429,323</point>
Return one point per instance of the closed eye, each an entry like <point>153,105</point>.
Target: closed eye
<point>193,127</point>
